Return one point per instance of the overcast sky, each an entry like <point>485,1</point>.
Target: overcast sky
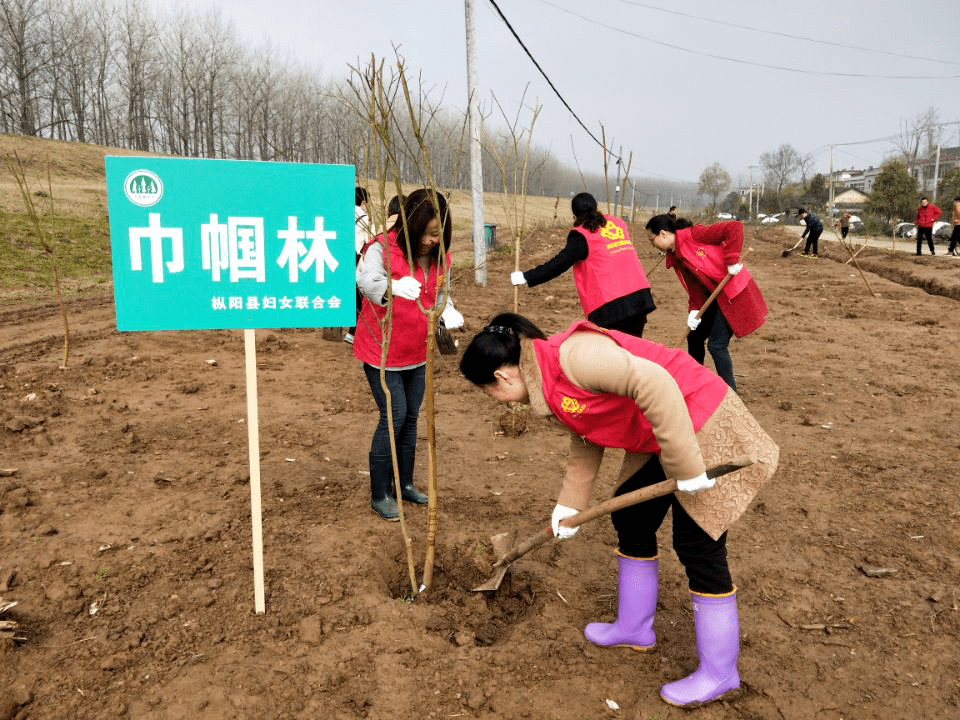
<point>680,83</point>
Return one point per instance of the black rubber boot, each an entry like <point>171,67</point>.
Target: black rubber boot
<point>408,491</point>
<point>383,499</point>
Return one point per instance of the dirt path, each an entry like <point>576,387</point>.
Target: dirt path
<point>125,532</point>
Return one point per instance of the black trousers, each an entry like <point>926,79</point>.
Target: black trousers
<point>812,242</point>
<point>954,238</point>
<point>632,325</point>
<point>703,558</point>
<point>922,233</point>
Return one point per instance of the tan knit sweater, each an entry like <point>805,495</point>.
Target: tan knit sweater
<point>597,364</point>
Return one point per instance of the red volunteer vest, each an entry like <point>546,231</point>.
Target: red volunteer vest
<point>699,253</point>
<point>613,420</point>
<point>612,268</point>
<point>408,340</point>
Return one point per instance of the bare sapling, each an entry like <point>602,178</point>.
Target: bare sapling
<point>418,124</point>
<point>513,163</point>
<point>44,237</point>
<point>398,138</point>
<point>375,104</point>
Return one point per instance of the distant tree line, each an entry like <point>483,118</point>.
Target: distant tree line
<point>108,72</point>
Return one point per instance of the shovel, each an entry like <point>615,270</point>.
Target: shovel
<point>786,253</point>
<point>713,296</point>
<point>503,543</point>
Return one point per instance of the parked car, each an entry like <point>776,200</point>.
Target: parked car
<point>856,224</point>
<point>772,219</point>
<point>942,230</point>
<point>905,229</point>
<point>726,216</point>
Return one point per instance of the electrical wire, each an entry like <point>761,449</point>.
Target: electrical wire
<point>562,100</point>
<point>791,36</point>
<point>726,58</point>
<point>545,77</point>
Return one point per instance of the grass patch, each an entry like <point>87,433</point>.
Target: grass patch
<point>81,247</point>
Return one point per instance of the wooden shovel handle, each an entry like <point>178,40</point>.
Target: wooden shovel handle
<point>713,296</point>
<point>611,505</point>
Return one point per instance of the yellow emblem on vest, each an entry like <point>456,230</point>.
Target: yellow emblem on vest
<point>611,231</point>
<point>569,405</point>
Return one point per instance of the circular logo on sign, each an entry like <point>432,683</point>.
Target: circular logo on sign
<point>143,188</point>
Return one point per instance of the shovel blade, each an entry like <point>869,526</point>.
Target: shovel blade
<point>502,543</point>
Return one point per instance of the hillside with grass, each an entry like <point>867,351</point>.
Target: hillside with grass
<point>67,187</point>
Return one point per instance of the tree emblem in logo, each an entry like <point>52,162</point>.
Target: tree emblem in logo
<point>143,188</point>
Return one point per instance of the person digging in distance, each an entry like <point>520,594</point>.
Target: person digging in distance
<point>670,415</point>
<point>812,231</point>
<point>610,280</point>
<point>702,255</point>
<point>422,238</point>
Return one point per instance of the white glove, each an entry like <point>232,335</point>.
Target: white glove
<point>406,287</point>
<point>693,322</point>
<point>517,278</point>
<point>734,269</point>
<point>452,318</point>
<point>562,512</point>
<point>700,482</point>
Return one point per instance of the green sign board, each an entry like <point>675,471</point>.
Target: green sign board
<point>213,244</point>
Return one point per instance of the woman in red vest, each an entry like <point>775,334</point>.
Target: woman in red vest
<point>672,416</point>
<point>389,280</point>
<point>702,255</point>
<point>610,280</point>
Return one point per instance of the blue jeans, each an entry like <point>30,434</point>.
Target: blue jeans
<point>406,395</point>
<point>715,331</point>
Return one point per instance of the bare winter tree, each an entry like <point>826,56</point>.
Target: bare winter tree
<point>805,163</point>
<point>25,52</point>
<point>103,21</point>
<point>913,132</point>
<point>714,181</point>
<point>780,166</point>
<point>139,61</point>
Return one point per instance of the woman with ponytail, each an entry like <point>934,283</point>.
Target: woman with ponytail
<point>610,280</point>
<point>702,256</point>
<point>672,416</point>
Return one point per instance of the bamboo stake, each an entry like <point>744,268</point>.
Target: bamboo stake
<point>853,257</point>
<point>427,580</point>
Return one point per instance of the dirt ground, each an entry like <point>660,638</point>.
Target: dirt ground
<point>125,531</point>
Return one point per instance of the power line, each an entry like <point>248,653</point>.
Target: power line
<point>714,56</point>
<point>549,82</point>
<point>565,103</point>
<point>791,36</point>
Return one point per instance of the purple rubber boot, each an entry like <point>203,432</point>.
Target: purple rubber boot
<point>718,646</point>
<point>636,607</point>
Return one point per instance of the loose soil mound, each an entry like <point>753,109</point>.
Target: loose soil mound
<point>126,533</point>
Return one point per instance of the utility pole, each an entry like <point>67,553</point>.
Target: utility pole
<point>830,214</point>
<point>936,173</point>
<point>476,167</point>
